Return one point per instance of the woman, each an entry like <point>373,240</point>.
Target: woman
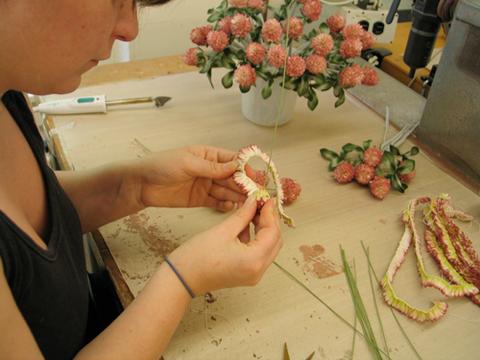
<point>46,45</point>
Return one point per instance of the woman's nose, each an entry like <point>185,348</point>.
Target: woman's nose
<point>126,28</point>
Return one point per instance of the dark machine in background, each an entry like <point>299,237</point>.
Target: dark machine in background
<point>450,124</point>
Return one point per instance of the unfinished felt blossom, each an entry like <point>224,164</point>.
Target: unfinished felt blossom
<point>434,239</point>
<point>291,190</point>
<point>254,189</point>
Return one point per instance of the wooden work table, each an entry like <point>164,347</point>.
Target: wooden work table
<point>254,323</point>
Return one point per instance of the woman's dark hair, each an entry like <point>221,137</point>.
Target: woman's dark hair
<point>151,2</point>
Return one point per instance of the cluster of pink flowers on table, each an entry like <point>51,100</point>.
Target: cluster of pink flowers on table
<point>250,46</point>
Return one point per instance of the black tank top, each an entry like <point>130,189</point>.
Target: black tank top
<point>50,286</point>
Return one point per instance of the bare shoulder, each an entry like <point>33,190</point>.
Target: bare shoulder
<point>18,342</point>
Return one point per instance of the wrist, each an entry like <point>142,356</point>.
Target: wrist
<point>129,188</point>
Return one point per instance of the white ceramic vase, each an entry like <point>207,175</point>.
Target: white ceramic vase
<point>265,112</point>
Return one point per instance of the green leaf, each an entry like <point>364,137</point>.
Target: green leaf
<point>351,147</point>
<point>302,89</point>
<point>394,150</point>
<point>387,165</point>
<point>312,101</point>
<point>324,87</point>
<point>214,17</point>
<point>209,76</point>
<point>337,90</point>
<point>266,91</point>
<point>397,184</point>
<point>227,80</point>
<point>328,154</point>
<point>333,164</point>
<point>341,99</point>
<point>228,62</point>
<point>366,144</point>
<point>413,151</point>
<point>324,28</point>
<point>244,90</point>
<point>406,167</point>
<point>318,79</point>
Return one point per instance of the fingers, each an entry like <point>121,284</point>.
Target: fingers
<point>241,218</point>
<point>198,167</point>
<point>225,194</point>
<point>244,235</point>
<point>268,238</point>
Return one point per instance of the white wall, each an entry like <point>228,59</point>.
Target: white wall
<point>165,30</point>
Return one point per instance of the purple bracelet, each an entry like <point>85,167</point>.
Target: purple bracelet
<point>191,293</point>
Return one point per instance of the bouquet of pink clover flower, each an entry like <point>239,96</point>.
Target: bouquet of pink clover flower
<point>243,40</point>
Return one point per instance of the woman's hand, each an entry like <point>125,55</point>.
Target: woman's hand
<point>190,177</point>
<point>224,256</point>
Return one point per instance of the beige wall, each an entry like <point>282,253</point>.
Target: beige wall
<point>164,30</point>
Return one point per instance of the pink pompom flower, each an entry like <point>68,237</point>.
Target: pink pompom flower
<point>353,31</point>
<point>199,35</point>
<point>370,76</point>
<point>255,53</point>
<point>295,27</point>
<point>312,9</point>
<point>350,48</point>
<point>367,39</point>
<point>238,3</point>
<point>351,76</point>
<point>316,64</point>
<point>225,25</point>
<point>276,56</point>
<point>245,76</point>
<point>295,66</point>
<point>191,57</point>
<point>217,40</point>
<point>272,30</point>
<point>256,4</point>
<point>336,23</point>
<point>322,44</point>
<point>241,25</point>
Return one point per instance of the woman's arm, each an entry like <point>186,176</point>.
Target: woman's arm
<point>214,259</point>
<point>103,194</point>
<point>17,340</point>
<point>186,177</point>
<point>209,261</point>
